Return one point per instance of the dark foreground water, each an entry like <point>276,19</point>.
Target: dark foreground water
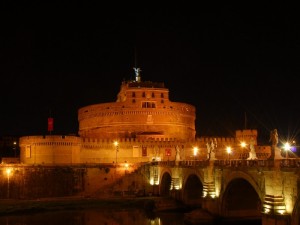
<point>104,217</point>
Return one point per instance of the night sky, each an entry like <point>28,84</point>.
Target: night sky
<point>240,69</point>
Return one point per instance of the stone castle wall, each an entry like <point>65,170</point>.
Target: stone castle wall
<point>54,149</point>
<point>118,120</point>
<point>142,110</point>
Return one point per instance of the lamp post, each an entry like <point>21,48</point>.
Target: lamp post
<point>228,149</point>
<point>286,147</point>
<point>195,152</point>
<point>117,149</point>
<point>126,167</point>
<point>243,144</point>
<point>15,148</point>
<point>8,171</point>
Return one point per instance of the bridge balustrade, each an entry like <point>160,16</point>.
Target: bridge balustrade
<point>185,163</point>
<point>243,163</point>
<point>290,162</point>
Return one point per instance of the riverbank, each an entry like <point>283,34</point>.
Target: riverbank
<point>11,206</point>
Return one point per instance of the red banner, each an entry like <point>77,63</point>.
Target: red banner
<point>144,151</point>
<point>50,124</point>
<point>168,152</point>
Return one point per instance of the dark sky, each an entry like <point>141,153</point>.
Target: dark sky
<point>227,62</point>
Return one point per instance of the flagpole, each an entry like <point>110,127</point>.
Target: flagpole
<point>245,121</point>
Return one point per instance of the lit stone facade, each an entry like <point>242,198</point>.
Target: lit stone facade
<point>143,110</point>
<point>146,124</point>
<point>50,149</point>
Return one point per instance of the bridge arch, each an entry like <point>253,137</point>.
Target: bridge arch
<point>165,183</point>
<point>241,195</point>
<point>192,190</point>
<point>295,217</point>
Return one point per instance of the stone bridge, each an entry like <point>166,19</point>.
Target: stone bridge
<point>266,189</point>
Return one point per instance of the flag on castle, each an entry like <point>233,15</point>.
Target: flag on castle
<point>168,151</point>
<point>50,124</point>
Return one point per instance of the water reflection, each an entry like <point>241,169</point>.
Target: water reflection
<point>92,217</point>
<point>100,217</point>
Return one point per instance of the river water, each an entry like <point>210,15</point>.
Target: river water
<point>103,217</point>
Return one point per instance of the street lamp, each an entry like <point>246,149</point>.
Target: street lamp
<point>117,149</point>
<point>15,148</point>
<point>286,147</point>
<point>228,149</point>
<point>8,172</point>
<point>195,152</point>
<point>126,167</point>
<point>243,144</point>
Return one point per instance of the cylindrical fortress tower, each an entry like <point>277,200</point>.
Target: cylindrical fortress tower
<point>142,110</point>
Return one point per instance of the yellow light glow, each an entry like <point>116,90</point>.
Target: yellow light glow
<point>281,211</point>
<point>8,171</point>
<point>228,149</point>
<point>243,144</point>
<point>151,181</point>
<point>176,187</point>
<point>195,149</point>
<point>287,146</point>
<point>116,143</point>
<point>267,210</point>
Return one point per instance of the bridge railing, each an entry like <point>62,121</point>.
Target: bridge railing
<point>290,162</point>
<point>245,163</point>
<point>284,163</point>
<point>186,163</point>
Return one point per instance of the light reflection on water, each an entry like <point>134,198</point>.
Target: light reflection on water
<point>92,217</point>
<point>99,217</point>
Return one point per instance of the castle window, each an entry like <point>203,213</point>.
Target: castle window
<point>143,95</point>
<point>133,100</point>
<point>162,95</point>
<point>148,105</point>
<point>133,94</point>
<point>153,95</point>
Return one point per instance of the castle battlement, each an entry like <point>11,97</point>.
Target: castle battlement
<point>217,139</point>
<point>49,138</point>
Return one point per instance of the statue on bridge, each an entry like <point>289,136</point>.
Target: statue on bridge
<point>211,145</point>
<point>275,151</point>
<point>252,153</point>
<point>274,137</point>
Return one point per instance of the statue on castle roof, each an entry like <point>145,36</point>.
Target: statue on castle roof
<point>137,74</point>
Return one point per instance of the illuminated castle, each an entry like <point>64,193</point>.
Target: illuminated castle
<point>143,111</point>
<point>146,124</point>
